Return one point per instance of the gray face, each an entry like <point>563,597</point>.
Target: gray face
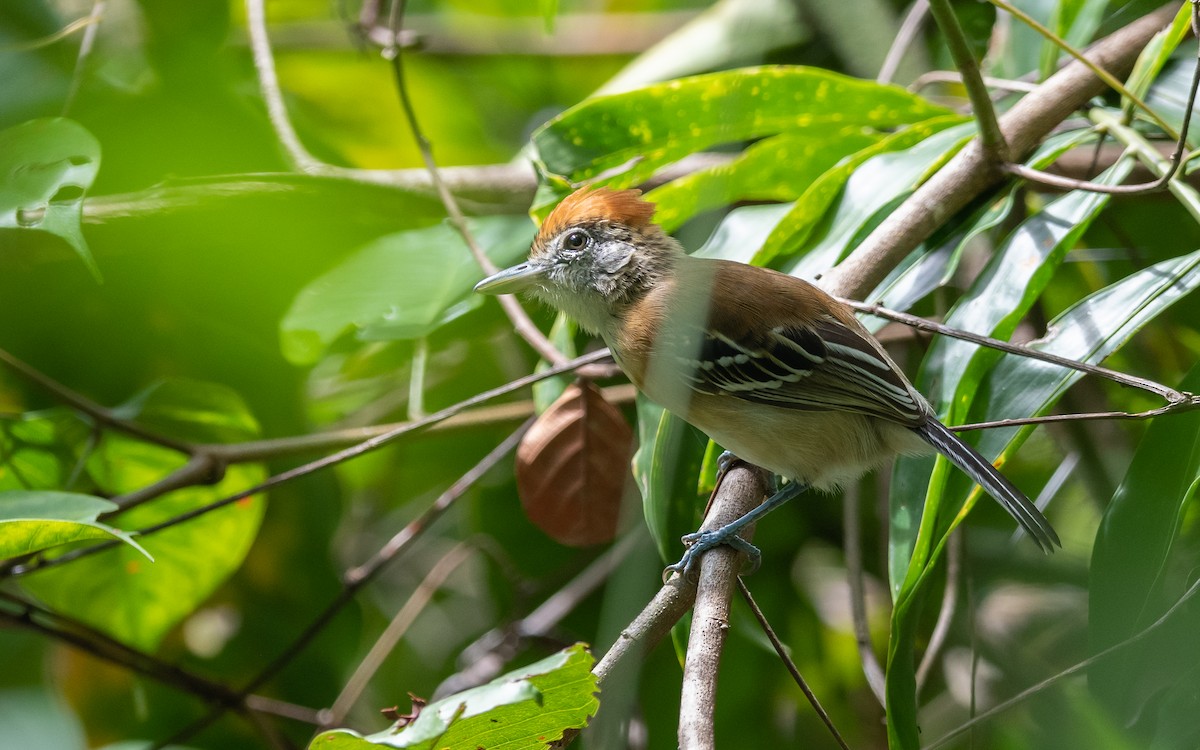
<point>587,260</point>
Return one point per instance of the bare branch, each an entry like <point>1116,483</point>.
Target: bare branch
<point>357,450</point>
<point>85,405</point>
<point>852,530</point>
<point>969,173</point>
<point>710,616</point>
<point>909,29</point>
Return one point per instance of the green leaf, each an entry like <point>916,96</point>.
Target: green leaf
<point>36,520</point>
<point>950,378</point>
<point>116,590</point>
<point>1156,54</point>
<point>874,178</point>
<point>400,286</point>
<point>779,168</point>
<point>528,708</point>
<point>634,133</point>
<point>668,460</point>
<point>1130,582</point>
<point>46,168</point>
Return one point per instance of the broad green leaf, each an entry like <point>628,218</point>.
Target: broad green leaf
<point>627,137</point>
<point>779,168</point>
<point>1088,331</point>
<point>400,286</point>
<point>742,232</point>
<point>950,378</point>
<point>1156,54</point>
<point>46,168</point>
<point>923,271</point>
<point>877,183</point>
<point>1130,581</point>
<point>668,460</point>
<point>800,221</point>
<point>118,591</point>
<point>528,708</point>
<point>562,335</point>
<point>36,520</point>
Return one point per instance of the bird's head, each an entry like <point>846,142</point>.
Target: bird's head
<point>596,253</point>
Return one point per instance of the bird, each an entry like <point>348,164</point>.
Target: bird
<point>772,368</point>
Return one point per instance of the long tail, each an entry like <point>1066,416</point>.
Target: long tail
<point>981,470</point>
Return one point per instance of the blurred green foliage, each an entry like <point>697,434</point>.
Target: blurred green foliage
<point>187,275</point>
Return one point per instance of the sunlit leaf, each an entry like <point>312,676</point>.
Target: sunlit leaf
<point>627,137</point>
<point>873,178</point>
<point>525,709</point>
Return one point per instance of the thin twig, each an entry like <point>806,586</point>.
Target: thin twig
<point>391,635</point>
<point>995,148</point>
<point>909,28</point>
<point>1067,183</point>
<point>46,41</point>
<point>268,82</point>
<point>521,321</point>
<point>354,579</point>
<point>353,452</point>
<point>852,531</point>
<point>85,50</point>
<point>1192,402</point>
<point>1171,395</point>
<point>83,404</point>
<point>100,645</point>
<point>953,76</point>
<point>1072,670</point>
<point>791,665</point>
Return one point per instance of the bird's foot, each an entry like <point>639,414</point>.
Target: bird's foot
<point>702,541</point>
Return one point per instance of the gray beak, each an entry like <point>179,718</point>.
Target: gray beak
<point>511,280</point>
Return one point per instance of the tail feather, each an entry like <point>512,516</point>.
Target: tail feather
<point>981,470</point>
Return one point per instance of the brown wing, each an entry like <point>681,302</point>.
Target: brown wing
<point>770,352</point>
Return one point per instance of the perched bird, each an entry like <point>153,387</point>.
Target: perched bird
<point>769,366</point>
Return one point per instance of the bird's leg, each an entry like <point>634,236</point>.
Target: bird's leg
<point>702,541</point>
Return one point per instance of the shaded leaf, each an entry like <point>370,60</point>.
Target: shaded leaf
<point>400,286</point>
<point>46,168</point>
<point>1130,585</point>
<point>572,467</point>
<point>527,708</point>
<point>191,410</point>
<point>667,462</point>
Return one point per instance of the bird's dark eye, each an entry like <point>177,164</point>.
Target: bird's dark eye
<point>576,239</point>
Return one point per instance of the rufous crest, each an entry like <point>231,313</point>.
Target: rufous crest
<point>594,204</point>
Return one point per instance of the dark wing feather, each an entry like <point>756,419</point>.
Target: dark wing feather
<point>826,366</point>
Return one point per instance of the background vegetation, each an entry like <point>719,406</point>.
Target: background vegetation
<point>235,320</point>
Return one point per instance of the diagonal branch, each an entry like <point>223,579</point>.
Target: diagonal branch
<point>969,173</point>
<point>995,149</point>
